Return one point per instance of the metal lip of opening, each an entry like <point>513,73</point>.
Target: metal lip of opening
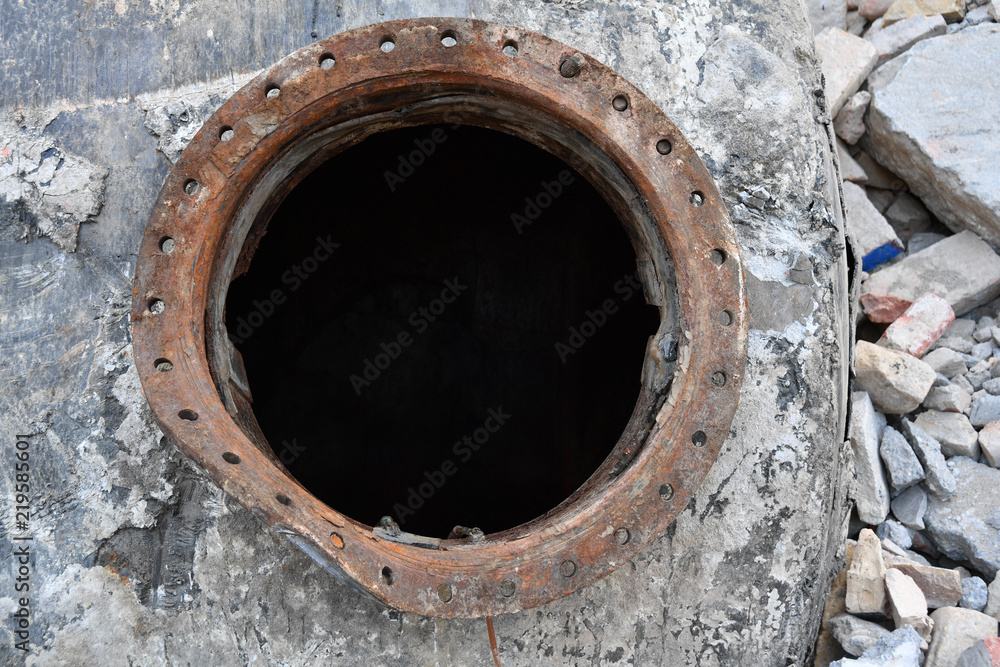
<point>335,92</point>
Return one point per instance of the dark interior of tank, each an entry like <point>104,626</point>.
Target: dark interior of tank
<point>442,325</point>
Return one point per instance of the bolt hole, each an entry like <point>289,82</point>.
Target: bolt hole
<point>188,415</point>
<point>156,306</point>
<point>163,365</point>
<point>167,245</point>
<point>327,61</point>
<point>697,198</point>
<point>226,133</point>
<point>190,186</point>
<point>725,318</point>
<point>699,439</point>
<point>510,48</point>
<point>387,575</point>
<point>283,499</point>
<point>719,379</point>
<point>231,458</point>
<point>507,588</point>
<point>387,44</point>
<point>567,568</point>
<point>620,103</point>
<point>718,257</point>
<point>666,491</point>
<point>444,593</point>
<point>622,536</point>
<point>663,147</point>
<point>449,38</point>
<point>272,91</point>
<point>337,540</point>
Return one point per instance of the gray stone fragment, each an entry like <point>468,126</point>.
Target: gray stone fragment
<point>826,14</point>
<point>871,493</point>
<point>963,382</point>
<point>966,525</point>
<point>976,378</point>
<point>985,409</point>
<point>849,123</point>
<point>865,224</point>
<point>993,604</point>
<point>880,198</point>
<point>902,466</point>
<point>898,37</point>
<point>952,430</point>
<point>941,381</point>
<point>850,170</point>
<point>974,594</point>
<point>976,655</point>
<point>909,507</point>
<point>940,480</point>
<point>900,648</point>
<point>992,386</point>
<point>922,241</point>
<point>962,327</point>
<point>950,398</point>
<point>908,216</point>
<point>895,532</point>
<point>984,334</point>
<point>914,127</point>
<point>855,635</point>
<point>945,360</point>
<point>983,351</point>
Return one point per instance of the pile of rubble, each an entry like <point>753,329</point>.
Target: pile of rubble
<point>914,91</point>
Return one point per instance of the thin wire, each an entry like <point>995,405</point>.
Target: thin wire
<point>493,641</point>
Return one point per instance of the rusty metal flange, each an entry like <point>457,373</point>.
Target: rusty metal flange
<point>331,95</point>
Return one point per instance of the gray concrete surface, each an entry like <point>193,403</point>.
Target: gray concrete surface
<point>138,558</point>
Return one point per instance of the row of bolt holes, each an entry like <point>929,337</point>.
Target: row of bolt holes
<point>620,103</point>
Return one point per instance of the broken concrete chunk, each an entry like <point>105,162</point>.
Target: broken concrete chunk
<point>871,493</point>
<point>922,241</point>
<point>919,326</point>
<point>908,216</point>
<point>894,533</point>
<point>953,432</point>
<point>974,594</point>
<point>940,480</point>
<point>826,14</point>
<point>900,648</point>
<point>902,466</point>
<point>989,443</point>
<point>846,61</point>
<point>896,382</point>
<point>950,398</point>
<point>913,128</point>
<point>850,121</point>
<point>855,635</point>
<point>875,240</point>
<point>865,588</point>
<point>850,170</point>
<point>907,603</point>
<point>940,586</point>
<point>941,269</point>
<point>985,409</point>
<point>899,37</point>
<point>966,526</point>
<point>955,630</point>
<point>945,361</point>
<point>909,507</point>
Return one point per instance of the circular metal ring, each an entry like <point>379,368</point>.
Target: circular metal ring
<point>331,95</point>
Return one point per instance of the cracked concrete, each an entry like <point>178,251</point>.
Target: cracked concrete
<point>139,558</point>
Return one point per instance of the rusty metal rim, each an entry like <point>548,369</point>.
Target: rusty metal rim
<point>506,77</point>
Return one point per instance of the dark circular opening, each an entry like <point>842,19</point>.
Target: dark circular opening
<point>443,325</point>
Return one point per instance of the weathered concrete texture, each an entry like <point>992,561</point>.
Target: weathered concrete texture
<point>140,558</point>
<point>966,526</point>
<point>944,148</point>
